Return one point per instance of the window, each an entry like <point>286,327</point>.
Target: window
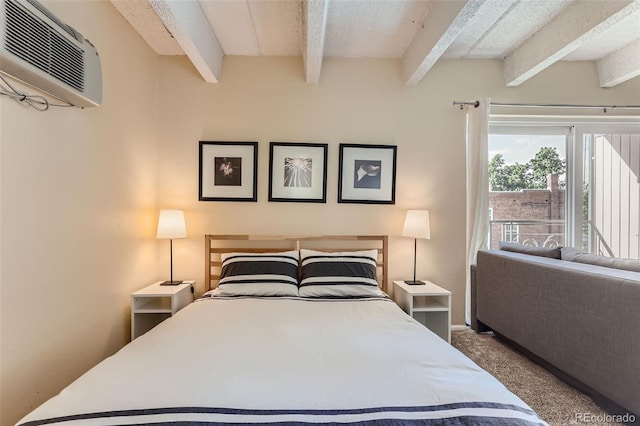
<point>609,223</point>
<point>510,232</point>
<point>557,183</point>
<point>527,179</point>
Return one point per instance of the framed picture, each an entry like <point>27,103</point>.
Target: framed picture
<point>367,174</point>
<point>298,172</point>
<point>228,171</point>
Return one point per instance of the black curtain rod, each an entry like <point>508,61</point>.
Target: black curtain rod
<point>605,108</point>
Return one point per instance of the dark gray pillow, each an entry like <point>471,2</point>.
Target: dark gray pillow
<point>551,252</point>
<point>576,255</point>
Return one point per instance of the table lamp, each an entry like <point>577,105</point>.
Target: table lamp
<point>416,225</point>
<point>171,225</point>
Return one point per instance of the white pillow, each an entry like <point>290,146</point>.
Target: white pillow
<point>259,274</point>
<point>339,274</point>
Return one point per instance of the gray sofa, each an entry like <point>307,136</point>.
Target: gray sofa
<point>580,320</point>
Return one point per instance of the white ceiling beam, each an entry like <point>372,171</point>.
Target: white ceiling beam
<point>578,23</point>
<point>188,24</point>
<point>620,66</point>
<point>444,22</point>
<point>314,25</point>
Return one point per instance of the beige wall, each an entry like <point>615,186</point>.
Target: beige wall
<point>81,188</point>
<point>359,101</point>
<point>79,194</point>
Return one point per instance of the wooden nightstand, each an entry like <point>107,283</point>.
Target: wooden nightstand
<point>429,304</point>
<point>155,303</point>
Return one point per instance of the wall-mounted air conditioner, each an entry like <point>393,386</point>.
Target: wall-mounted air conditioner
<point>40,50</point>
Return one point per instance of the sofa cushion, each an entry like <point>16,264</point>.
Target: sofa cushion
<point>524,297</point>
<point>551,252</point>
<point>576,255</point>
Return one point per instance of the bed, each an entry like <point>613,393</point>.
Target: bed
<point>290,330</point>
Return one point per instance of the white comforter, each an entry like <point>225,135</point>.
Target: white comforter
<point>253,360</point>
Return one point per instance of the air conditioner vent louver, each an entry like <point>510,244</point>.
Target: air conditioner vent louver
<point>41,51</point>
<point>37,43</point>
<point>69,30</point>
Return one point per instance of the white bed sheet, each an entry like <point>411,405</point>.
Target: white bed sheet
<point>254,360</point>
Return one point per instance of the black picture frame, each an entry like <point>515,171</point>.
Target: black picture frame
<point>367,174</point>
<point>228,171</point>
<point>298,172</point>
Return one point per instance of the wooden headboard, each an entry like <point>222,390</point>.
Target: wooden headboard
<point>218,244</point>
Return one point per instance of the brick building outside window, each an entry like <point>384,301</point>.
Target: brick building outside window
<point>534,217</point>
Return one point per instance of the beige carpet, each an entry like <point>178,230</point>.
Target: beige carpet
<point>555,402</point>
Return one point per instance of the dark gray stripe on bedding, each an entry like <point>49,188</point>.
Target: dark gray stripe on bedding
<point>253,280</point>
<point>266,412</point>
<point>330,299</point>
<point>371,259</point>
<point>259,268</point>
<point>337,281</point>
<point>338,269</point>
<point>261,256</point>
<point>449,421</point>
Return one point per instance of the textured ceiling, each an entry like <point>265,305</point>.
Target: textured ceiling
<point>377,29</point>
<point>528,35</point>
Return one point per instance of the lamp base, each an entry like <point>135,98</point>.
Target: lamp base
<point>414,282</point>
<point>171,283</point>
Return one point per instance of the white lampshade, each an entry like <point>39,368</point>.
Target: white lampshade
<point>171,224</point>
<point>416,224</point>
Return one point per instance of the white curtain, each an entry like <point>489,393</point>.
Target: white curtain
<point>477,188</point>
